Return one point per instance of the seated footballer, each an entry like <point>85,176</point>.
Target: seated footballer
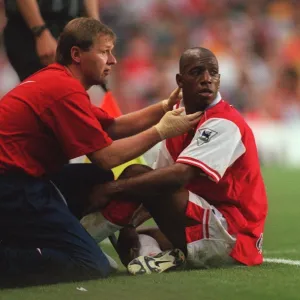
<point>206,194</point>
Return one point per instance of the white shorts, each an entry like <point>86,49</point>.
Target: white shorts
<point>208,243</point>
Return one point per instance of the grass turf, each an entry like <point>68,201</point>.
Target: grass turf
<point>269,281</point>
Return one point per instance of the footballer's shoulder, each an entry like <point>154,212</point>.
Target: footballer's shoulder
<point>230,111</point>
<point>227,112</point>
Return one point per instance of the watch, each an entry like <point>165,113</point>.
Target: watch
<point>37,30</point>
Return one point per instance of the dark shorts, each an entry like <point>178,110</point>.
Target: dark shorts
<point>40,234</point>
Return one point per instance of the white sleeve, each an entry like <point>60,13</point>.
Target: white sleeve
<point>164,158</point>
<point>217,144</point>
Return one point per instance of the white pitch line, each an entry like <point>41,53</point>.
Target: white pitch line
<point>286,251</point>
<point>282,261</point>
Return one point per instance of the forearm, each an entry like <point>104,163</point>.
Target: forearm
<point>30,11</point>
<point>157,182</point>
<point>136,122</point>
<point>124,150</point>
<point>92,8</point>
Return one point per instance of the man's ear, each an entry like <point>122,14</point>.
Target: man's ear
<point>179,80</point>
<point>76,54</point>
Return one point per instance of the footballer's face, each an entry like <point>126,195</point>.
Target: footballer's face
<point>199,80</point>
<point>96,63</point>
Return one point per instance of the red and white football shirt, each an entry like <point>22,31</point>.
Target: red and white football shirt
<point>224,149</point>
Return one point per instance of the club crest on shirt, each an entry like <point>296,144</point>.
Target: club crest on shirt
<point>205,135</point>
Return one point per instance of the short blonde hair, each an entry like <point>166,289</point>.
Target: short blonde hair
<point>80,32</point>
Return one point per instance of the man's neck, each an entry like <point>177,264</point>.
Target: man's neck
<point>75,72</point>
<point>212,104</point>
<point>215,101</point>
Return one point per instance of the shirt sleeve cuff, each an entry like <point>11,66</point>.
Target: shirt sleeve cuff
<point>213,174</point>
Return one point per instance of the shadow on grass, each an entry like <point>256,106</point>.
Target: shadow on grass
<point>44,279</point>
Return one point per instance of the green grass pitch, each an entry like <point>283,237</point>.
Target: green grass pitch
<point>269,281</point>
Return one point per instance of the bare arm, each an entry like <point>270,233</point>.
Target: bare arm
<point>143,119</point>
<point>92,8</point>
<point>2,16</point>
<point>45,43</point>
<point>30,11</point>
<point>164,180</point>
<point>135,122</point>
<point>123,150</point>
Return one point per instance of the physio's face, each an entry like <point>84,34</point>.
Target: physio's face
<point>199,80</point>
<point>97,62</point>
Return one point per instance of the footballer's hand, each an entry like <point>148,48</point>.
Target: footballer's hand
<point>174,98</point>
<point>128,245</point>
<point>46,47</point>
<point>140,216</point>
<point>173,123</point>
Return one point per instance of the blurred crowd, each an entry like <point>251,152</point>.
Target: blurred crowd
<point>257,43</point>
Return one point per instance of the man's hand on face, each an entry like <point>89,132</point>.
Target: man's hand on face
<point>174,98</point>
<point>173,123</point>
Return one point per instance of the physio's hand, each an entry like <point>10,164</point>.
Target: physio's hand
<point>173,123</point>
<point>174,98</point>
<point>46,47</point>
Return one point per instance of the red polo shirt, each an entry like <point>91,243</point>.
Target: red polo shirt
<point>47,120</point>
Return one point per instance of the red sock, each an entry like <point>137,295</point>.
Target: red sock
<point>119,212</point>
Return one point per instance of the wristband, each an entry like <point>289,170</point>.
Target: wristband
<point>38,30</point>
